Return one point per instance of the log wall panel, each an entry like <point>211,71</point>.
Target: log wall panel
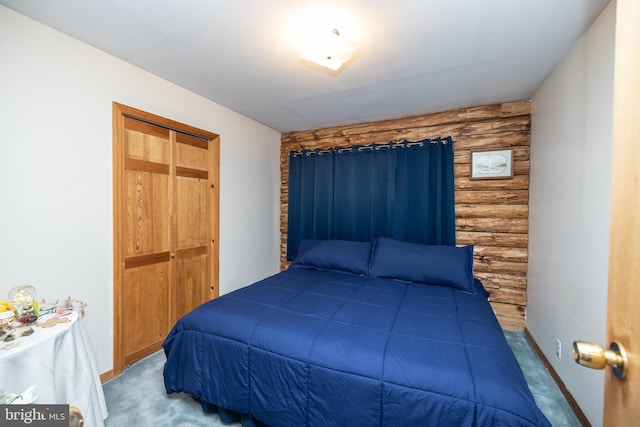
<point>490,214</point>
<point>496,280</point>
<point>505,197</point>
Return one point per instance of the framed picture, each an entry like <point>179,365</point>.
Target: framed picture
<point>492,164</point>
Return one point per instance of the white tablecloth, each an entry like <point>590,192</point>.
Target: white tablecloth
<point>60,362</point>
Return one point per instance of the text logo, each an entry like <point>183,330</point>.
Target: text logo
<point>34,415</point>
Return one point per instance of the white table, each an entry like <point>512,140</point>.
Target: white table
<point>60,362</point>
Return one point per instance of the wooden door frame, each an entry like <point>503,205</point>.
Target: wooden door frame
<point>119,112</point>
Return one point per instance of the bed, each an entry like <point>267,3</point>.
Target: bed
<point>382,333</point>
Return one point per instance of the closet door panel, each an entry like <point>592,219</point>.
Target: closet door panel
<point>146,212</point>
<point>145,315</point>
<point>191,272</point>
<point>192,192</point>
<point>193,219</point>
<point>147,225</point>
<point>144,141</point>
<point>191,208</point>
<point>191,152</point>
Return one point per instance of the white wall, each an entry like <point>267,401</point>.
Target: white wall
<point>569,208</point>
<point>56,96</point>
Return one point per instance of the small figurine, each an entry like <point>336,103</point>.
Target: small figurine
<point>64,307</point>
<point>20,331</point>
<point>29,314</point>
<point>26,306</point>
<point>7,316</point>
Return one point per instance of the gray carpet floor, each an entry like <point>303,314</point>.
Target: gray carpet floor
<point>137,396</point>
<point>545,391</point>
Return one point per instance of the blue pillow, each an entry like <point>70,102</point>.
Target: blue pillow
<point>334,255</point>
<point>436,265</point>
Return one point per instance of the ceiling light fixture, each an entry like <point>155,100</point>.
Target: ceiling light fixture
<point>325,35</point>
<point>329,49</point>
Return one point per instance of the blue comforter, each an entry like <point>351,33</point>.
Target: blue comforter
<point>319,348</point>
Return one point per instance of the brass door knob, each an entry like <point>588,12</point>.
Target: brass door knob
<point>594,356</point>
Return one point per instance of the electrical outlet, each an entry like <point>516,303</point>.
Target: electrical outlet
<point>558,348</point>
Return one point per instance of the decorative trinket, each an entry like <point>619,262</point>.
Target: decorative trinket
<point>24,301</point>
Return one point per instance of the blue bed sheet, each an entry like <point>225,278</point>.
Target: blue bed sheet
<point>317,348</point>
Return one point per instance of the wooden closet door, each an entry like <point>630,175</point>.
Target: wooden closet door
<point>147,208</point>
<point>192,201</point>
<point>165,228</point>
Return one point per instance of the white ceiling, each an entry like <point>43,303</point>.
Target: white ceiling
<point>416,56</point>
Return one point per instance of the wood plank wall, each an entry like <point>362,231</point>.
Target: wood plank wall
<point>490,214</point>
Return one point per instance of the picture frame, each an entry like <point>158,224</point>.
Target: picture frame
<point>492,164</point>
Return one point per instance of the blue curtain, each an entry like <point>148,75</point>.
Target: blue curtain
<point>403,191</point>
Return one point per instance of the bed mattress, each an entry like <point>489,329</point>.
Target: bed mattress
<point>309,347</point>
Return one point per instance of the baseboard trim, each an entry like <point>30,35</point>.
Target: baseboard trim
<point>106,376</point>
<point>563,388</point>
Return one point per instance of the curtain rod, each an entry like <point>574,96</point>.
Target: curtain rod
<point>388,145</point>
